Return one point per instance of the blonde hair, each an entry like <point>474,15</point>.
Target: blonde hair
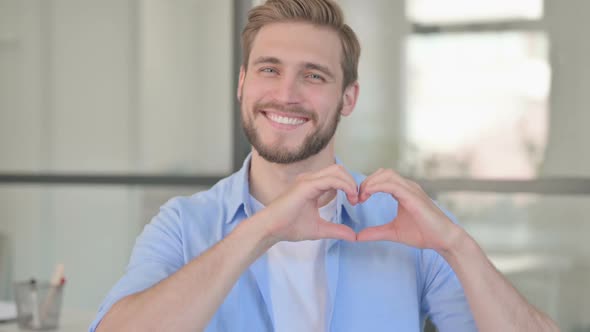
<point>325,13</point>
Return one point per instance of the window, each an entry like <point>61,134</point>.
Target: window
<point>479,91</point>
<point>477,95</point>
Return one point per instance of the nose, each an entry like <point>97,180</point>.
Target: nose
<point>288,90</point>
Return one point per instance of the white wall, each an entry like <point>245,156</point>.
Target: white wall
<point>568,154</point>
<point>105,87</point>
<point>20,116</point>
<point>186,87</point>
<point>374,128</point>
<point>20,125</point>
<point>568,149</point>
<point>70,63</point>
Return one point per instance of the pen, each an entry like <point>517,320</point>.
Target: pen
<point>36,319</point>
<point>57,281</point>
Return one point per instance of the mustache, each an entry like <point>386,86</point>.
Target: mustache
<point>293,110</point>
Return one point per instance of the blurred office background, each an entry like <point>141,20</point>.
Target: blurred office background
<point>108,108</point>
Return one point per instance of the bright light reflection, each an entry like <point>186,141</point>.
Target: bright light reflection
<point>477,104</point>
<point>452,11</point>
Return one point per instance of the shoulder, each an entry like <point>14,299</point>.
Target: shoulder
<point>203,213</point>
<point>210,202</point>
<point>187,225</point>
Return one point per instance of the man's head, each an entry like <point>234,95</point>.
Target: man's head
<point>324,13</point>
<point>298,77</point>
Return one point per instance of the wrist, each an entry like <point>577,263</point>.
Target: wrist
<point>257,227</point>
<point>457,242</point>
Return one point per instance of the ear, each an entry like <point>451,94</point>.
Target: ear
<point>241,82</point>
<point>349,98</point>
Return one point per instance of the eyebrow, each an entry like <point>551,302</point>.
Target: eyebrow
<point>267,59</point>
<point>318,67</point>
<point>307,65</point>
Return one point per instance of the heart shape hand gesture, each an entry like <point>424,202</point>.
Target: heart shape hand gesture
<point>294,215</point>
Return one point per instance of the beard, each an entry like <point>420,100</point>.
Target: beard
<point>312,144</point>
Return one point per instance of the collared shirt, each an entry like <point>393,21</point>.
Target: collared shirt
<point>371,286</point>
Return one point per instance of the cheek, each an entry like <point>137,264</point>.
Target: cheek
<point>248,98</point>
<point>326,107</point>
<point>252,97</point>
<point>256,87</point>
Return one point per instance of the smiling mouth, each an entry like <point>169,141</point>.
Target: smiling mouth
<point>284,120</point>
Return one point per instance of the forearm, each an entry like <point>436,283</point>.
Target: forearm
<point>496,305</point>
<point>188,299</point>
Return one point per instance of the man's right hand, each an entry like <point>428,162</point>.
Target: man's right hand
<point>294,216</point>
<point>200,286</point>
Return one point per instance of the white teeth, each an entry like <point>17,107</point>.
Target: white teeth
<point>284,120</point>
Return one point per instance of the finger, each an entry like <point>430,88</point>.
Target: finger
<point>392,187</point>
<point>391,177</point>
<point>378,233</point>
<point>340,171</point>
<point>328,230</point>
<point>409,184</point>
<point>331,182</point>
<point>384,175</point>
<point>350,187</point>
<point>387,175</point>
<point>367,180</point>
<point>328,170</point>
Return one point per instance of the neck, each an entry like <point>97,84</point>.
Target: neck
<point>269,180</point>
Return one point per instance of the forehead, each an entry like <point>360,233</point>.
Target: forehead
<point>296,42</point>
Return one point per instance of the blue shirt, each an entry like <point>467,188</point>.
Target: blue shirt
<point>372,286</point>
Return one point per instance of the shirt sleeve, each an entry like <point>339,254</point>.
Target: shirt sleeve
<point>443,299</point>
<point>156,255</point>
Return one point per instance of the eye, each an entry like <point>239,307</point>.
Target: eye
<point>268,70</point>
<point>316,77</point>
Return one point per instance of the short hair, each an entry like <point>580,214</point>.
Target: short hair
<point>325,13</point>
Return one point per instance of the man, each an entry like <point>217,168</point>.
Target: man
<point>294,241</point>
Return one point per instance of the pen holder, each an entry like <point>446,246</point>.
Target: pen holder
<point>38,305</point>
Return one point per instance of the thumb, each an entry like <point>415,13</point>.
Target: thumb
<point>328,230</point>
<point>378,233</point>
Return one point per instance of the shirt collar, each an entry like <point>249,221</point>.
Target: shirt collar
<point>239,195</point>
<point>239,191</point>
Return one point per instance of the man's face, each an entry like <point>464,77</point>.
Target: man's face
<point>291,95</point>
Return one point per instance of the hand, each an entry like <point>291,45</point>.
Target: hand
<point>419,222</point>
<point>294,215</point>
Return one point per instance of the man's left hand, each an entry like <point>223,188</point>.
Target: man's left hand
<point>419,222</point>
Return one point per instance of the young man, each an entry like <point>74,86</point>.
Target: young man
<point>294,241</point>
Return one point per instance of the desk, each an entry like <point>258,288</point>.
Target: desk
<point>70,321</point>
